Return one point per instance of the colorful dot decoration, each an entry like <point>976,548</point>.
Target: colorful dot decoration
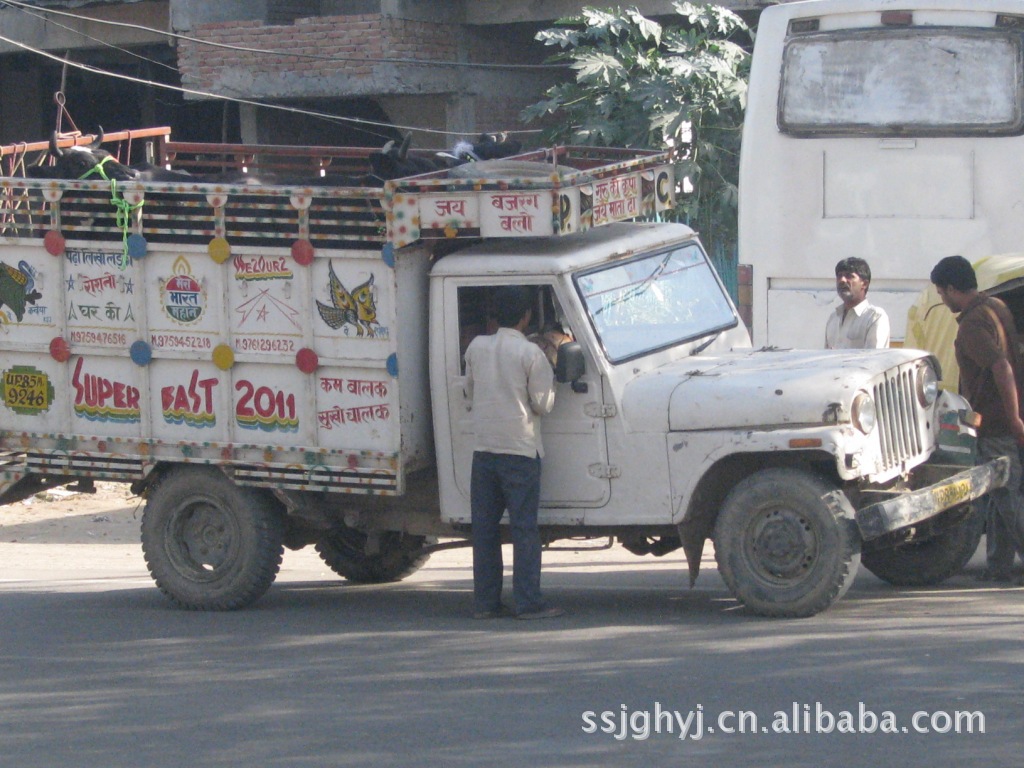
<point>141,353</point>
<point>223,357</point>
<point>60,350</point>
<point>53,242</point>
<point>306,360</point>
<point>303,252</point>
<point>219,250</point>
<point>136,245</point>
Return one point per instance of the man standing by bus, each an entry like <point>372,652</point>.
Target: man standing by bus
<point>856,323</point>
<point>988,354</point>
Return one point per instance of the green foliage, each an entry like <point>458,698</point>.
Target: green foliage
<point>642,85</point>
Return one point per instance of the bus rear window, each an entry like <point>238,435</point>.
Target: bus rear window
<point>906,82</point>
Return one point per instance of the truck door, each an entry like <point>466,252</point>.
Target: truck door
<point>575,444</point>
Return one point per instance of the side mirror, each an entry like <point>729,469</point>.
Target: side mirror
<point>570,365</point>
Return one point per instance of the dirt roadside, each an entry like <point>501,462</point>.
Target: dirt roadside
<point>111,515</point>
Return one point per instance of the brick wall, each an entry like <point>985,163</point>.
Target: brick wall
<point>360,39</point>
<point>497,96</point>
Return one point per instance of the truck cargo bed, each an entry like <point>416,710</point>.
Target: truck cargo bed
<point>275,330</point>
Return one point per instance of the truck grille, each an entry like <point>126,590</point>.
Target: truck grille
<point>899,418</point>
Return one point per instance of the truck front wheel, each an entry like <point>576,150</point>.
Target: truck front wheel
<point>786,544</point>
<point>930,561</point>
<point>208,543</point>
<point>393,557</point>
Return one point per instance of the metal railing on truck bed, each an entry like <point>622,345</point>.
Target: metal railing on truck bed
<point>326,197</point>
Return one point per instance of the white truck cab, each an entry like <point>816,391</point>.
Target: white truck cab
<point>675,420</point>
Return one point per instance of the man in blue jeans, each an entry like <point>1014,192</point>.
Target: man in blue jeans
<point>510,384</point>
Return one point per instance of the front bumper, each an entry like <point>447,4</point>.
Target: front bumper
<point>913,507</point>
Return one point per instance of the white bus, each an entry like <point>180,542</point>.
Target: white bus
<point>892,130</point>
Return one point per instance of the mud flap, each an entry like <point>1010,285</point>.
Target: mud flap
<point>10,473</point>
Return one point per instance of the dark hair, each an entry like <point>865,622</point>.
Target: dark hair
<point>856,266</point>
<point>955,272</point>
<point>511,303</point>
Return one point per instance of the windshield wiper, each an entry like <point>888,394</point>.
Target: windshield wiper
<point>701,347</point>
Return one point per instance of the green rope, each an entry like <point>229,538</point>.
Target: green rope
<point>124,209</point>
<point>98,169</point>
<point>123,219</point>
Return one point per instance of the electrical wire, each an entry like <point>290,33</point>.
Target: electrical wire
<point>361,59</point>
<point>223,97</point>
<point>192,91</point>
<point>236,99</point>
<point>96,40</point>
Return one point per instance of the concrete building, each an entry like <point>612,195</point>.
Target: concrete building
<point>449,67</point>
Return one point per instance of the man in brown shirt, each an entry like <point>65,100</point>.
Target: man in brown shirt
<point>988,354</point>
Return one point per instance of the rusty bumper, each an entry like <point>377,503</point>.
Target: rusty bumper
<point>914,506</point>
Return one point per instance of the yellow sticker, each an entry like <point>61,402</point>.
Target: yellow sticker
<point>951,494</point>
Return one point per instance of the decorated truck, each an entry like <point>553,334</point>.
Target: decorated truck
<point>275,365</point>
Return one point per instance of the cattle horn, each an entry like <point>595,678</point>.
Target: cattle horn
<point>54,147</point>
<point>99,138</point>
<point>404,149</point>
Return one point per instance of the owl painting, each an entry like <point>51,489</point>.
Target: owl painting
<point>358,308</point>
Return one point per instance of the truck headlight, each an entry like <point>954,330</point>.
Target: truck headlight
<point>863,412</point>
<point>927,385</point>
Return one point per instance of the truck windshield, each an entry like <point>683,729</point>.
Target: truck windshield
<point>654,301</point>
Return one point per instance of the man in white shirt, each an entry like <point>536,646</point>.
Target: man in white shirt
<point>510,384</point>
<point>856,323</point>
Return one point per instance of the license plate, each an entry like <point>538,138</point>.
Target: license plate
<point>951,494</point>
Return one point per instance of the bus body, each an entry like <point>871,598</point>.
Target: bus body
<point>884,129</point>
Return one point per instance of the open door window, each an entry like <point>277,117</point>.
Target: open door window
<point>574,438</point>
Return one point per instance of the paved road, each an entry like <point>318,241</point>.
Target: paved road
<point>96,670</point>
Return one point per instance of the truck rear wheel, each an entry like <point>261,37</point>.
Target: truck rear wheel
<point>929,561</point>
<point>786,544</point>
<point>208,543</point>
<point>396,555</point>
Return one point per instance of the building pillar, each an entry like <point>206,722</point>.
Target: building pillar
<point>248,121</point>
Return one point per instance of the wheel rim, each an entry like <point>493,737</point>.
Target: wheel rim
<point>781,546</point>
<point>202,539</point>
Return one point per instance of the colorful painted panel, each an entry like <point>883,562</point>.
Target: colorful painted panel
<point>539,212</point>
<point>28,391</point>
<point>185,302</point>
<point>106,395</point>
<point>357,409</point>
<point>353,311</point>
<point>189,400</point>
<point>266,297</point>
<point>30,300</point>
<point>102,298</point>
<point>449,215</point>
<point>271,404</point>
